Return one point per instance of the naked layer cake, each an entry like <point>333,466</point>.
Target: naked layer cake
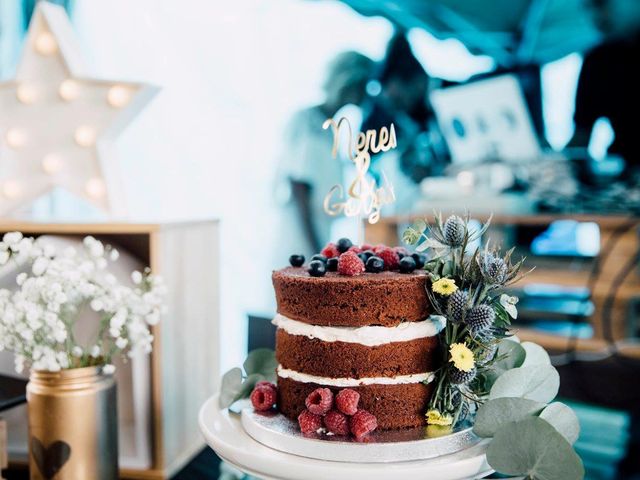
<point>368,331</point>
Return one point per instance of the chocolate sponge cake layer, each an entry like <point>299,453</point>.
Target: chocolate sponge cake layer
<point>352,360</point>
<point>395,406</point>
<point>385,299</point>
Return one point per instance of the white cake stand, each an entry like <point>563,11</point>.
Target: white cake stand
<point>224,433</point>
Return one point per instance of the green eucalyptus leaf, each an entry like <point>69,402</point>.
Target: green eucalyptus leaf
<point>534,448</point>
<point>231,385</point>
<point>536,355</point>
<point>510,355</point>
<point>495,413</point>
<point>248,384</point>
<point>448,268</point>
<point>563,419</point>
<point>262,361</point>
<point>536,382</point>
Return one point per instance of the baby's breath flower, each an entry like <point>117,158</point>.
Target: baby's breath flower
<point>462,357</point>
<point>37,318</point>
<point>108,369</point>
<point>444,286</point>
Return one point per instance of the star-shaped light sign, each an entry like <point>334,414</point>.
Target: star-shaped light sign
<point>57,123</point>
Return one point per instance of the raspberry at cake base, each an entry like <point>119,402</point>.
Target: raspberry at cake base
<point>369,332</point>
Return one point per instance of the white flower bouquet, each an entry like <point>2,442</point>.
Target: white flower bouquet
<point>38,321</point>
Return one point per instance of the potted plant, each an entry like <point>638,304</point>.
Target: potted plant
<point>71,392</point>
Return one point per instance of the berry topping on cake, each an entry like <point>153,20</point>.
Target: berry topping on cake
<point>264,383</point>
<point>347,401</point>
<point>296,260</point>
<point>336,422</point>
<point>263,397</point>
<point>354,249</point>
<point>401,251</point>
<point>344,244</point>
<point>375,264</point>
<point>332,264</point>
<point>317,268</point>
<point>350,264</point>
<point>407,265</point>
<point>391,259</point>
<point>309,422</point>
<point>362,423</point>
<point>365,246</point>
<point>319,257</point>
<point>320,401</point>
<point>330,251</point>
<point>420,259</point>
<point>367,253</point>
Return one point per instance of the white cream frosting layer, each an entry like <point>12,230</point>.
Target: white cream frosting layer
<point>368,336</point>
<point>355,382</point>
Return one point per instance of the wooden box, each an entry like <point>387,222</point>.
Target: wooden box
<point>183,369</point>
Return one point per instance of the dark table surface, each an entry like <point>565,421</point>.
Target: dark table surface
<point>12,392</point>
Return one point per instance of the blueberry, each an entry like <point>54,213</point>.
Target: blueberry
<point>332,264</point>
<point>374,265</point>
<point>363,257</point>
<point>343,245</point>
<point>407,265</point>
<point>400,255</point>
<point>317,256</point>
<point>316,268</point>
<point>368,254</point>
<point>296,260</point>
<point>420,259</point>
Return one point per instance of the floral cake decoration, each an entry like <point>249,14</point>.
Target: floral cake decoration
<point>488,378</point>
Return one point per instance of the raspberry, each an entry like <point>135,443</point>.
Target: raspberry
<point>263,398</point>
<point>319,401</point>
<point>391,258</point>
<point>401,251</point>
<point>362,423</point>
<point>350,264</point>
<point>347,401</point>
<point>354,249</point>
<point>330,251</point>
<point>265,384</point>
<point>309,422</point>
<point>365,246</point>
<point>336,422</point>
<point>378,248</point>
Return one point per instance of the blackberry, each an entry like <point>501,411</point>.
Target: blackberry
<point>420,259</point>
<point>332,264</point>
<point>457,306</point>
<point>316,268</point>
<point>296,260</point>
<point>374,265</point>
<point>319,257</point>
<point>453,231</point>
<point>344,244</point>
<point>459,377</point>
<point>480,318</point>
<point>407,265</point>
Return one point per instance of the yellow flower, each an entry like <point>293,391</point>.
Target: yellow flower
<point>435,431</point>
<point>462,357</point>
<point>434,417</point>
<point>444,286</point>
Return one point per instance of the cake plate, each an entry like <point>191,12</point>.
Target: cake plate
<point>225,434</point>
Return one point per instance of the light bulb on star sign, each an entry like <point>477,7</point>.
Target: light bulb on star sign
<point>58,123</point>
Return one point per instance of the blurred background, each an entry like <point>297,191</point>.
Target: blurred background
<point>526,109</point>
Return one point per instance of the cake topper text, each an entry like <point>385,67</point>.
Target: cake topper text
<point>363,196</point>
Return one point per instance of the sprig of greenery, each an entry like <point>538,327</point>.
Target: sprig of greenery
<point>260,365</point>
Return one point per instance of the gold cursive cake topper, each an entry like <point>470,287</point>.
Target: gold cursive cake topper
<point>363,197</point>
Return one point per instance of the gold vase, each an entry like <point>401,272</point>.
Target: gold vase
<point>73,430</point>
